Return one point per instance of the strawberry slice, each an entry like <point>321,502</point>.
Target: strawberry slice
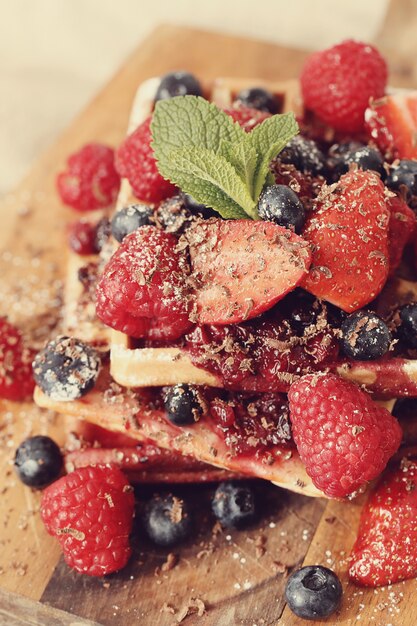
<point>392,122</point>
<point>348,228</point>
<point>241,268</point>
<point>402,224</point>
<point>385,551</point>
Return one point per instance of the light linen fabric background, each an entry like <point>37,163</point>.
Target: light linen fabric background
<point>55,54</point>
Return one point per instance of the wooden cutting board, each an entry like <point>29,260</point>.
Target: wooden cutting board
<point>220,578</point>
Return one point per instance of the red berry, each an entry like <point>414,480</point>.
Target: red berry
<point>385,551</point>
<point>343,437</point>
<point>243,267</point>
<point>82,237</point>
<point>392,122</point>
<point>338,83</point>
<point>246,117</point>
<point>90,181</point>
<point>135,161</point>
<point>402,224</point>
<point>16,380</point>
<point>90,512</point>
<point>348,228</point>
<point>142,291</point>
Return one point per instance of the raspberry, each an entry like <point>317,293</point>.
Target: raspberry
<point>82,237</point>
<point>91,180</point>
<point>16,380</point>
<point>247,118</point>
<point>90,512</point>
<point>142,291</point>
<point>343,437</point>
<point>338,83</point>
<point>136,162</point>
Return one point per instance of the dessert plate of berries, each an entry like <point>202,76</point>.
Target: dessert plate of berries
<point>239,310</point>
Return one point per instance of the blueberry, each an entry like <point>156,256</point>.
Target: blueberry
<point>408,326</point>
<point>130,218</point>
<point>184,404</point>
<point>198,209</point>
<point>38,461</point>
<point>404,173</point>
<point>234,504</point>
<point>260,99</point>
<point>280,204</point>
<point>365,336</point>
<point>103,231</point>
<point>304,154</point>
<point>365,157</point>
<point>66,368</point>
<point>167,520</point>
<point>178,84</point>
<point>313,592</point>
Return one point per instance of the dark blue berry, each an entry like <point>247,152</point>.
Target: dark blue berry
<point>130,218</point>
<point>199,209</point>
<point>184,404</point>
<point>365,157</point>
<point>38,461</point>
<point>313,592</point>
<point>280,204</point>
<point>178,84</point>
<point>260,99</point>
<point>66,368</point>
<point>167,520</point>
<point>404,173</point>
<point>408,326</point>
<point>103,231</point>
<point>304,154</point>
<point>364,336</point>
<point>234,504</point>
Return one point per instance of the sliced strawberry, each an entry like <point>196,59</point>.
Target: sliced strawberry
<point>348,228</point>
<point>392,123</point>
<point>386,548</point>
<point>242,268</point>
<point>402,224</point>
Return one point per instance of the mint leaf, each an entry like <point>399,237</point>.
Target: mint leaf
<point>268,139</point>
<point>244,159</point>
<point>211,180</point>
<point>190,121</point>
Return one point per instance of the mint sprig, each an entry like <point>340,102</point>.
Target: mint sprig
<point>202,150</point>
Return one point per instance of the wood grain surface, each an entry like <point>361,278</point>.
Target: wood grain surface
<point>220,578</point>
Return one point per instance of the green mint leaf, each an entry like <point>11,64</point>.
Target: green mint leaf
<point>244,159</point>
<point>211,180</point>
<point>268,139</point>
<point>190,121</point>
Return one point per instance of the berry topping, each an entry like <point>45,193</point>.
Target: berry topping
<point>403,174</point>
<point>167,520</point>
<point>16,380</point>
<point>392,123</point>
<point>365,157</point>
<point>243,267</point>
<point>129,219</point>
<point>313,592</point>
<point>385,550</point>
<point>248,118</point>
<point>184,404</point>
<point>343,437</point>
<point>258,98</point>
<point>402,225</point>
<point>337,83</point>
<point>178,84</point>
<point>348,228</point>
<point>234,504</point>
<point>408,325</point>
<point>279,204</point>
<point>82,237</point>
<point>38,461</point>
<point>90,512</point>
<point>66,369</point>
<point>364,336</point>
<point>90,180</point>
<point>135,161</point>
<point>142,291</point>
<point>304,154</point>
